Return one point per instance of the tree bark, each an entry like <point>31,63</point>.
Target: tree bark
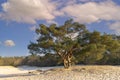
<point>67,62</point>
<point>67,59</point>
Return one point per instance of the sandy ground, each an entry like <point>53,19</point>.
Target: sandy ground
<point>74,73</point>
<point>10,70</point>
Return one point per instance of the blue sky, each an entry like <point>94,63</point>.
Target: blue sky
<point>19,18</point>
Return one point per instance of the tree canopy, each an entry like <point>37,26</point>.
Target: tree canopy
<point>73,41</point>
<point>61,40</point>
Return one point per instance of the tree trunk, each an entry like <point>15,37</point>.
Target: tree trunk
<point>67,62</point>
<point>67,59</point>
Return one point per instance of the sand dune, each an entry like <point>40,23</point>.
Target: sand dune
<point>74,73</point>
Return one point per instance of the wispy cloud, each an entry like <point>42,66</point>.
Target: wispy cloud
<point>92,0</point>
<point>31,10</point>
<point>0,42</point>
<point>33,28</point>
<point>9,43</point>
<point>115,27</point>
<point>85,0</point>
<point>91,11</point>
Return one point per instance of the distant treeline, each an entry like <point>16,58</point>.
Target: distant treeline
<point>32,60</point>
<point>11,61</point>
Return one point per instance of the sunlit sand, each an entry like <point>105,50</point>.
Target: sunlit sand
<point>74,73</point>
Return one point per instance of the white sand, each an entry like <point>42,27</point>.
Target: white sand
<point>75,73</point>
<point>6,70</point>
<point>10,70</point>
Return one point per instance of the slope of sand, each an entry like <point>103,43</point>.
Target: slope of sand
<point>74,73</point>
<point>10,70</point>
<point>6,70</point>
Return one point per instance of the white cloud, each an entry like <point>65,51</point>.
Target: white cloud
<point>90,0</point>
<point>85,0</point>
<point>29,10</point>
<point>115,27</point>
<point>51,22</point>
<point>93,12</point>
<point>9,43</point>
<point>0,15</point>
<point>33,28</point>
<point>0,42</point>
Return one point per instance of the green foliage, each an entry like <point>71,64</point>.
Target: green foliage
<point>61,40</point>
<point>93,53</point>
<point>86,47</point>
<point>99,49</point>
<point>95,37</point>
